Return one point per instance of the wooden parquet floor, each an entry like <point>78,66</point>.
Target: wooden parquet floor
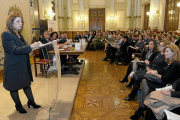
<point>100,96</point>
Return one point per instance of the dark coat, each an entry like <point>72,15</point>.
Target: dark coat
<point>17,68</point>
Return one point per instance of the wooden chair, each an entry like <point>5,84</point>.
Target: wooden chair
<point>44,63</point>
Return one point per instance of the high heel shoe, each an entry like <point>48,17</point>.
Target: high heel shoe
<point>129,98</point>
<point>130,83</point>
<point>20,109</point>
<point>33,104</point>
<point>124,80</point>
<point>138,114</point>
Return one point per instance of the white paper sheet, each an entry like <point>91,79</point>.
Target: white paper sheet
<point>171,115</point>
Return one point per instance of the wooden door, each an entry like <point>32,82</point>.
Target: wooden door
<point>146,17</point>
<point>172,15</point>
<point>97,19</point>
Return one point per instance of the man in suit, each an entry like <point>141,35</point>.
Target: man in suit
<point>147,39</point>
<point>44,52</point>
<point>174,41</point>
<point>77,37</point>
<point>83,36</point>
<point>123,49</point>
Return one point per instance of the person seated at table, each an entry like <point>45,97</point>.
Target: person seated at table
<point>84,36</point>
<point>54,36</point>
<point>62,43</point>
<point>112,48</point>
<point>168,75</point>
<point>77,37</point>
<point>137,48</point>
<point>167,99</point>
<point>96,41</point>
<point>44,51</point>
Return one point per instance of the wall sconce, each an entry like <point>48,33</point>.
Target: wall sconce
<point>49,15</point>
<point>178,4</point>
<point>171,12</point>
<point>111,18</point>
<point>82,18</point>
<point>151,12</point>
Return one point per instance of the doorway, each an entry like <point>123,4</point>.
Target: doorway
<point>97,19</point>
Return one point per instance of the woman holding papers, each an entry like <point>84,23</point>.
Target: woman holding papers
<point>17,68</point>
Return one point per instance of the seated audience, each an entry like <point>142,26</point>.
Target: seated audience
<point>168,75</point>
<point>96,41</point>
<point>137,48</point>
<point>174,41</point>
<point>146,59</point>
<point>77,37</point>
<point>156,63</point>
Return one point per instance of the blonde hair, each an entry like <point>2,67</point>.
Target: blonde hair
<point>10,20</point>
<point>175,49</point>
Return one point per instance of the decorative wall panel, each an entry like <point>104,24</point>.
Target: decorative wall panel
<point>121,19</point>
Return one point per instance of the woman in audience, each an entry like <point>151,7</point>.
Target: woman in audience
<point>158,38</point>
<point>168,37</point>
<point>138,48</point>
<point>168,75</point>
<point>152,48</point>
<point>153,36</point>
<point>156,64</point>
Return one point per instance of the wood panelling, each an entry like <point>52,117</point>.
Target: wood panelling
<point>97,19</point>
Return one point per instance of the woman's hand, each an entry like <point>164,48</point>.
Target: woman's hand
<point>35,45</point>
<point>147,62</point>
<point>168,93</point>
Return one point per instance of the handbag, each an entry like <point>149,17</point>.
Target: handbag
<point>141,66</point>
<point>152,78</point>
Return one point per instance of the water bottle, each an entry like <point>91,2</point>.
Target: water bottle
<point>54,62</point>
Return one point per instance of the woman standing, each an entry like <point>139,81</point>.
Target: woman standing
<point>17,69</point>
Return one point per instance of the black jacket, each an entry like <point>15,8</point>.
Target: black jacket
<point>17,68</point>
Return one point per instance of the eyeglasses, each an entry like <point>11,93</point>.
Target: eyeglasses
<point>161,46</point>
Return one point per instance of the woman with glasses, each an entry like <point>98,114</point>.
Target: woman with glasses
<point>157,64</point>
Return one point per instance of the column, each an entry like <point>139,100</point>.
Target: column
<point>128,17</point>
<point>111,22</point>
<point>69,18</point>
<point>112,8</point>
<point>135,13</point>
<point>138,18</point>
<point>82,22</point>
<point>162,14</point>
<point>60,15</point>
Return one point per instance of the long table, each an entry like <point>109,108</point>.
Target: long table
<point>71,61</point>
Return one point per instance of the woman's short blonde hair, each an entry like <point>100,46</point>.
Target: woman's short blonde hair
<point>10,21</point>
<point>175,49</point>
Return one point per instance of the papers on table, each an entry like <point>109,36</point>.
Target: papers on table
<point>77,46</point>
<point>60,49</point>
<point>171,115</point>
